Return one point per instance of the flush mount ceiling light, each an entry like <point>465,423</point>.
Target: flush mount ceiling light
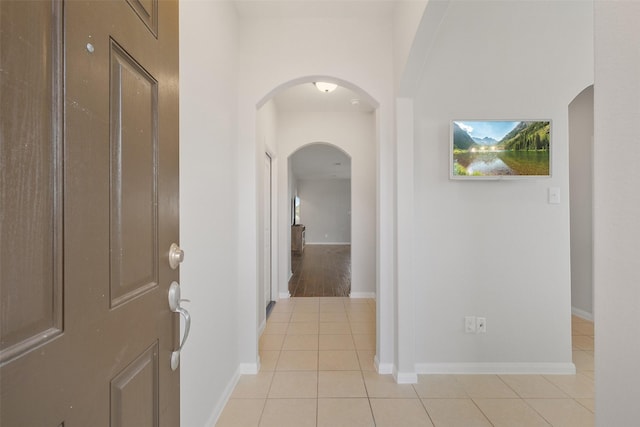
<point>325,87</point>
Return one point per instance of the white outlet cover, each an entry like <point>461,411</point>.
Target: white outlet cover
<point>470,324</point>
<point>481,325</point>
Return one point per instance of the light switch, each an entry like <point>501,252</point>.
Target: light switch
<point>554,195</point>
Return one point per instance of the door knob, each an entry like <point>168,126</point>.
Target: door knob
<point>174,305</point>
<point>176,256</point>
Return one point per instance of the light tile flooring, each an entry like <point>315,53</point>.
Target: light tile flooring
<point>317,371</point>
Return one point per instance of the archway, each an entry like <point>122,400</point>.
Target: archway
<point>319,186</point>
<point>581,202</point>
<point>282,133</point>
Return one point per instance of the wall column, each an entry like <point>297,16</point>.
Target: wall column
<point>405,371</point>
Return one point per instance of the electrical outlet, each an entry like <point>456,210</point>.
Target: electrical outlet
<point>481,325</point>
<point>470,324</point>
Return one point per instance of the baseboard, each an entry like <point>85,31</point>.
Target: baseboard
<point>284,295</point>
<point>250,368</point>
<point>405,377</point>
<point>582,314</point>
<point>328,243</point>
<point>496,368</point>
<point>370,295</point>
<point>382,368</point>
<point>219,407</point>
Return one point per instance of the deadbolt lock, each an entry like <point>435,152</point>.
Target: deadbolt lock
<point>176,256</point>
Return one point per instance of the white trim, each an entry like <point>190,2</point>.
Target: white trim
<point>582,314</point>
<point>284,295</point>
<point>226,394</point>
<point>382,368</point>
<point>370,295</point>
<point>496,368</point>
<point>262,327</point>
<point>404,325</point>
<point>405,377</point>
<point>328,243</point>
<point>250,368</point>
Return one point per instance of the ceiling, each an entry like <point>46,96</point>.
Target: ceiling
<point>307,98</point>
<point>359,9</point>
<point>320,161</point>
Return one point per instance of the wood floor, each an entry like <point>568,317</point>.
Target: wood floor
<point>321,271</point>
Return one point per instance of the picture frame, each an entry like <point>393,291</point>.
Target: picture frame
<point>500,149</point>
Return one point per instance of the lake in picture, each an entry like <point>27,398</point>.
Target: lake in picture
<point>501,148</point>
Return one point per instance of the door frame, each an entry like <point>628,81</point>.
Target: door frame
<point>272,217</point>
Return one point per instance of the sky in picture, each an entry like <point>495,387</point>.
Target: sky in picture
<point>492,129</point>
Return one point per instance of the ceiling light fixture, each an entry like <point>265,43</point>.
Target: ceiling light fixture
<point>325,87</point>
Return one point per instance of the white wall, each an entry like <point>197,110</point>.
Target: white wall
<point>581,187</point>
<point>208,206</point>
<point>354,133</point>
<point>616,212</point>
<point>496,248</point>
<point>325,210</point>
<point>407,16</point>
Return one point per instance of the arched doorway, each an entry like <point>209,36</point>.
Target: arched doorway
<point>280,131</point>
<point>320,190</point>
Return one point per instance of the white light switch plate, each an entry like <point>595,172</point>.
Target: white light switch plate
<point>554,195</point>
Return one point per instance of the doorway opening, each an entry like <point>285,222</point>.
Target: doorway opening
<point>268,235</point>
<point>297,115</point>
<point>320,180</point>
<point>581,202</point>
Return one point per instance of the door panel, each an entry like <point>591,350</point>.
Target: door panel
<point>134,231</point>
<point>31,215</point>
<point>138,382</point>
<point>147,11</point>
<point>106,202</point>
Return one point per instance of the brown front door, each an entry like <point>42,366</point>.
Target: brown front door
<point>88,211</point>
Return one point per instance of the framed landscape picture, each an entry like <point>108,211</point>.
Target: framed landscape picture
<point>496,149</point>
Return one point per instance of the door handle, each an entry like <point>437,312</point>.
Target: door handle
<point>174,306</point>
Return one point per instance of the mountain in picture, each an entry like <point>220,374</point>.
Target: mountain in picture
<point>461,139</point>
<point>485,141</point>
<point>528,136</point>
<point>525,136</point>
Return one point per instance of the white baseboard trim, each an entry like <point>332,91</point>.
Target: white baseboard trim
<point>226,394</point>
<point>405,377</point>
<point>370,295</point>
<point>496,368</point>
<point>382,368</point>
<point>328,243</point>
<point>250,368</point>
<point>582,314</point>
<point>284,295</point>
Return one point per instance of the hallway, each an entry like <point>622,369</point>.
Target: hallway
<point>317,370</point>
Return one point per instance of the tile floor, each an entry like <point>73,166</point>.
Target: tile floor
<point>317,371</point>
